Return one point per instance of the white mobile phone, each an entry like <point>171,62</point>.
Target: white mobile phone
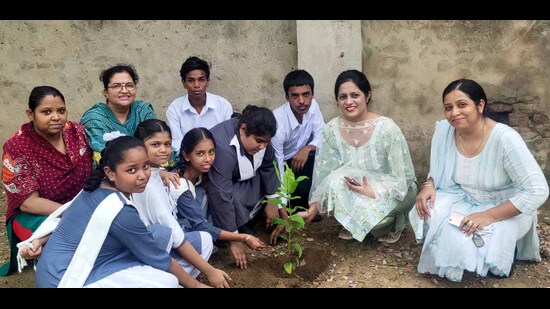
<point>456,218</point>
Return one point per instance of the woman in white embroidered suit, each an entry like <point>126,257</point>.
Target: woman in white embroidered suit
<point>364,172</point>
<point>483,170</point>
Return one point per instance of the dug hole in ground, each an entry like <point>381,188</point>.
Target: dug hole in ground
<point>332,262</point>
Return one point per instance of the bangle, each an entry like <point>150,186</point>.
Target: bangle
<point>247,239</point>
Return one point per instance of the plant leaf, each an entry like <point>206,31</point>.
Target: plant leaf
<point>298,249</point>
<point>292,210</point>
<point>294,223</point>
<point>301,178</point>
<point>277,172</point>
<point>297,221</point>
<point>274,201</point>
<point>279,221</point>
<point>289,267</point>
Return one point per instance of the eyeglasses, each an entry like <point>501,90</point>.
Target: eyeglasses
<point>118,87</point>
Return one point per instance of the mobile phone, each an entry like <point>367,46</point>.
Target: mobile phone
<point>352,181</point>
<point>456,218</point>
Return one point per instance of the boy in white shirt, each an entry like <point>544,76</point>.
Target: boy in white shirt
<point>299,128</point>
<point>198,108</point>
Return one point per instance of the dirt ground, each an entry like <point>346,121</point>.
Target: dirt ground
<point>330,262</point>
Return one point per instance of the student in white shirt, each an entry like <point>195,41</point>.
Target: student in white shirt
<point>299,127</point>
<point>198,108</point>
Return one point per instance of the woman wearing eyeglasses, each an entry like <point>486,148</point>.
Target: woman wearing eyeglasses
<point>120,112</point>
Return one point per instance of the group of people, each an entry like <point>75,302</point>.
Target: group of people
<point>123,199</point>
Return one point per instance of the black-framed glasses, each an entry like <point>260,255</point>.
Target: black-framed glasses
<point>119,86</point>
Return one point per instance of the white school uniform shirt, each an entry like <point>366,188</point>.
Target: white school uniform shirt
<point>183,117</point>
<point>154,206</point>
<point>292,136</point>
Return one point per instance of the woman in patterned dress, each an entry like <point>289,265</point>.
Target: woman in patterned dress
<point>121,111</point>
<point>44,165</point>
<point>364,172</point>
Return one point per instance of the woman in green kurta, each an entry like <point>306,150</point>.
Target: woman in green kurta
<point>120,112</point>
<point>371,152</point>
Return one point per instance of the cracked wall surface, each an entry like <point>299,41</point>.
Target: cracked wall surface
<point>408,63</point>
<point>249,61</point>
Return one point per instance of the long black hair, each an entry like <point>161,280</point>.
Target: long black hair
<point>188,143</point>
<point>111,156</point>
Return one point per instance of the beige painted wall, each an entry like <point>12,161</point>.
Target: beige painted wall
<point>409,63</point>
<point>249,61</point>
<point>326,48</point>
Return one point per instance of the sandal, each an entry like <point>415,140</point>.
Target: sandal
<point>345,234</point>
<point>391,237</point>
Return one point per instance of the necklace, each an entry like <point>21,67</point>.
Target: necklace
<point>461,141</point>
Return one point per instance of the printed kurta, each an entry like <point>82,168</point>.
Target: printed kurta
<point>30,163</point>
<point>376,149</point>
<point>99,119</point>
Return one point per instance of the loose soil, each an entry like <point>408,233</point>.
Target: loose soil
<point>330,262</point>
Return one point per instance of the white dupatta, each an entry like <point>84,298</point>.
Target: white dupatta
<point>92,240</point>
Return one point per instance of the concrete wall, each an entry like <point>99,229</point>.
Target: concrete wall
<point>326,48</point>
<point>409,63</point>
<point>249,61</point>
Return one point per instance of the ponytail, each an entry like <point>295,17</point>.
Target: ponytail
<point>95,179</point>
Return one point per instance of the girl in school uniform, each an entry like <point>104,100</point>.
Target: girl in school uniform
<point>101,240</point>
<point>197,154</point>
<point>243,174</point>
<point>191,249</point>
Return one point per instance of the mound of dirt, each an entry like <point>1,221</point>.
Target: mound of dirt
<point>332,262</point>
